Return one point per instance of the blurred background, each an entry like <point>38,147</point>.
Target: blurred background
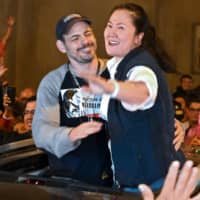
<point>31,51</point>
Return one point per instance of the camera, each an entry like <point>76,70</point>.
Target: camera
<point>11,92</point>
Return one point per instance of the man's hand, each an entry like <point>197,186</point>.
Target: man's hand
<point>84,130</point>
<point>6,100</point>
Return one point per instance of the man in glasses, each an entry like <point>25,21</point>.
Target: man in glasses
<point>193,113</point>
<point>29,113</point>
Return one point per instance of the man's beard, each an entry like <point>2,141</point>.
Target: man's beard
<point>81,57</point>
<point>85,59</point>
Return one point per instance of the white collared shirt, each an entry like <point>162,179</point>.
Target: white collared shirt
<point>138,73</point>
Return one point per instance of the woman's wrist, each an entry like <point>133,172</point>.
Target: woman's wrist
<point>115,90</point>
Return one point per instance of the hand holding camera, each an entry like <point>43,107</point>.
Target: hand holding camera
<point>9,95</point>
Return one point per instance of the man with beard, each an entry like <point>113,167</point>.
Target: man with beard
<point>76,142</point>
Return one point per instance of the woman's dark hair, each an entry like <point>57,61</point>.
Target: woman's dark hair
<point>150,40</point>
<point>139,16</point>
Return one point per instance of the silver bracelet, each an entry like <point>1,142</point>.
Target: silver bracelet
<point>116,89</point>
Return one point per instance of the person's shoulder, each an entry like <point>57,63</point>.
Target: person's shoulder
<point>54,78</point>
<point>57,73</point>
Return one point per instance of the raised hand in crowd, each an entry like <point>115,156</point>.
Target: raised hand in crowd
<point>177,185</point>
<point>10,24</point>
<point>3,70</point>
<point>11,21</point>
<point>5,38</point>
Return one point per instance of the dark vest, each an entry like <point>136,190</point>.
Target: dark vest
<point>90,162</point>
<point>141,141</point>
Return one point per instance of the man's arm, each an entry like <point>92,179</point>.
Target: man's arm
<point>47,132</point>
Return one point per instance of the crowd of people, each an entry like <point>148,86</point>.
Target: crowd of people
<point>116,116</point>
<point>14,120</point>
<point>187,110</point>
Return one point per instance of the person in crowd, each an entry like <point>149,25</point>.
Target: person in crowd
<point>186,85</point>
<point>63,123</point>
<point>3,44</point>
<point>179,102</point>
<point>29,113</point>
<point>178,184</point>
<point>5,38</point>
<point>11,115</point>
<point>179,113</point>
<point>13,107</point>
<point>25,127</point>
<point>136,102</point>
<point>26,94</point>
<point>25,131</point>
<point>3,71</point>
<point>192,109</point>
<point>180,99</point>
<point>193,113</point>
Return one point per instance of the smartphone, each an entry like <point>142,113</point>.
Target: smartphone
<point>11,92</point>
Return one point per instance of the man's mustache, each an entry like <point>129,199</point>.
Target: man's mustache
<point>85,46</point>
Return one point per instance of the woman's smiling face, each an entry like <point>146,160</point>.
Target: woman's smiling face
<point>120,34</point>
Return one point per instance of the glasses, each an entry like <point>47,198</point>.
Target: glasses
<point>24,99</point>
<point>26,112</point>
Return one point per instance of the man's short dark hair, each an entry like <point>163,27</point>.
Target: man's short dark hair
<point>192,98</point>
<point>185,76</point>
<point>33,98</point>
